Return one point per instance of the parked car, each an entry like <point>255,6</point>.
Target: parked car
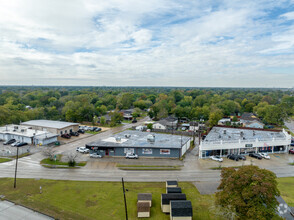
<point>67,136</point>
<point>21,144</point>
<point>15,143</point>
<point>134,121</point>
<point>132,156</point>
<point>292,144</point>
<point>98,129</point>
<point>74,133</point>
<point>217,158</point>
<point>257,156</point>
<point>95,155</point>
<point>81,131</point>
<point>83,150</point>
<point>233,157</point>
<point>9,141</point>
<point>241,157</point>
<point>291,151</point>
<point>265,156</point>
<point>86,128</point>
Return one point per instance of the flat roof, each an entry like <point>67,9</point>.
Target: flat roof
<point>49,123</point>
<point>131,138</point>
<point>25,131</point>
<point>236,134</point>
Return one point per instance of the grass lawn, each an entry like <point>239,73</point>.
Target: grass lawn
<point>49,163</point>
<point>287,190</point>
<point>3,160</point>
<point>98,200</point>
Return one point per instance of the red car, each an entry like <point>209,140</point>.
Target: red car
<point>291,151</point>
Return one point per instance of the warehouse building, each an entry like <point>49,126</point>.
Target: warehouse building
<point>27,135</point>
<point>223,141</point>
<point>143,144</point>
<point>55,127</point>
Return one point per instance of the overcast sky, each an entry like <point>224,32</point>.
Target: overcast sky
<point>147,43</point>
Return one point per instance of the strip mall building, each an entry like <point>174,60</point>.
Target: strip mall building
<point>223,141</point>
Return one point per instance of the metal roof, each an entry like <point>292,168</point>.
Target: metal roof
<point>181,208</point>
<point>131,138</point>
<point>49,123</point>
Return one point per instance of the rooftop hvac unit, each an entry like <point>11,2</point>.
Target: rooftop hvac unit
<point>241,133</point>
<point>151,138</point>
<point>22,130</point>
<point>118,139</point>
<point>253,133</point>
<point>225,131</point>
<point>15,127</point>
<point>219,136</point>
<point>127,135</point>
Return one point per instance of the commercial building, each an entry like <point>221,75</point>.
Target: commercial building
<point>223,141</point>
<point>143,144</point>
<point>27,135</point>
<point>55,127</point>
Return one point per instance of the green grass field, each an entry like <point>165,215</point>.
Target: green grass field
<point>3,160</point>
<point>287,190</point>
<point>98,200</point>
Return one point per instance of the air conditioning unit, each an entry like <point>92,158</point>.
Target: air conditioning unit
<point>151,138</point>
<point>118,139</point>
<point>127,135</point>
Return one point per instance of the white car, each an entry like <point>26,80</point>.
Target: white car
<point>217,158</point>
<point>132,156</point>
<point>83,150</point>
<point>15,143</point>
<point>95,155</point>
<point>265,155</point>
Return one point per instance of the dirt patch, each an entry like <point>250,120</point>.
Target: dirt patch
<point>90,203</point>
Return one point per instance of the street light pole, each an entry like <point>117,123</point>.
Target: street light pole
<point>126,210</point>
<point>16,167</point>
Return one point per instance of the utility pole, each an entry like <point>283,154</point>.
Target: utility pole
<point>123,185</point>
<point>16,166</point>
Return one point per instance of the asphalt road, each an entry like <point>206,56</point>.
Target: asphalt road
<point>29,167</point>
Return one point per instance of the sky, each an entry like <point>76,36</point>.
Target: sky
<point>182,43</point>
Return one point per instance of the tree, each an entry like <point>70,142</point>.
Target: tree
<point>215,116</point>
<point>249,192</point>
<point>71,158</point>
<point>150,126</point>
<point>102,120</point>
<point>49,152</point>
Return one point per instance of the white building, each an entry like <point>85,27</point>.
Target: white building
<point>25,134</point>
<point>55,127</point>
<point>223,141</point>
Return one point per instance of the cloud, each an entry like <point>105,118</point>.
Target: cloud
<point>156,42</point>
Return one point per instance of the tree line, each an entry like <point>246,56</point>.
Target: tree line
<point>78,104</point>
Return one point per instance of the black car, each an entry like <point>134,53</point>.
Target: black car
<point>67,136</point>
<point>233,157</point>
<point>257,156</point>
<point>21,144</point>
<point>241,157</point>
<point>11,141</point>
<point>81,131</point>
<point>98,129</point>
<point>134,121</point>
<point>73,133</point>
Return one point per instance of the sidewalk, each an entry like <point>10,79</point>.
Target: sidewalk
<point>10,211</point>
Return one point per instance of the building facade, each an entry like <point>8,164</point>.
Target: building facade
<point>223,141</point>
<point>55,127</point>
<point>27,135</point>
<point>144,144</point>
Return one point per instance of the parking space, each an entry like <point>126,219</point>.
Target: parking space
<point>8,150</point>
<point>73,138</point>
<point>276,160</point>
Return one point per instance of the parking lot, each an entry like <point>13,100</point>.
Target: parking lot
<point>277,160</point>
<point>9,151</point>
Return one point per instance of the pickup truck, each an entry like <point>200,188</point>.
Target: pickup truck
<point>83,150</point>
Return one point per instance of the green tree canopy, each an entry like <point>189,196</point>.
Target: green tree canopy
<point>249,192</point>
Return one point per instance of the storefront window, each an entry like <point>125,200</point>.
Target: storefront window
<point>164,151</point>
<point>146,151</point>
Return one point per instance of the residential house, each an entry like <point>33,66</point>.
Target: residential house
<point>250,120</point>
